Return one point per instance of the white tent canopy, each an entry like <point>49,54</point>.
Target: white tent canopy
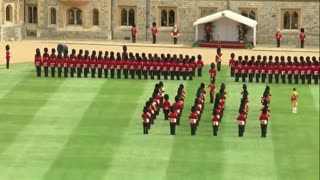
<point>227,14</point>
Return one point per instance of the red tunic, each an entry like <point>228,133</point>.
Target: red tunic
<point>8,55</point>
<point>213,73</point>
<point>133,31</point>
<point>212,88</point>
<point>264,118</point>
<point>218,57</point>
<point>145,117</point>
<point>173,117</point>
<point>37,60</point>
<point>302,36</point>
<point>193,118</point>
<point>199,63</point>
<point>241,119</point>
<point>278,36</point>
<point>215,120</point>
<point>154,31</point>
<point>166,105</point>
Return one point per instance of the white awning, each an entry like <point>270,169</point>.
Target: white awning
<point>228,14</point>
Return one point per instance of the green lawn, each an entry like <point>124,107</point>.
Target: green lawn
<point>57,128</point>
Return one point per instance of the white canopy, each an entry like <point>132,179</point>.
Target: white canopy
<point>230,15</point>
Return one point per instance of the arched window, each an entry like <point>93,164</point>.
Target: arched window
<point>95,19</point>
<point>294,20</point>
<point>128,16</point>
<point>286,20</point>
<point>35,15</point>
<point>164,18</point>
<point>249,13</point>
<point>30,14</point>
<point>53,16</point>
<point>75,16</point>
<point>9,13</point>
<point>124,17</point>
<point>244,13</point>
<point>172,18</point>
<point>131,17</point>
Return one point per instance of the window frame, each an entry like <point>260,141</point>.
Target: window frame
<point>291,11</point>
<point>167,9</point>
<point>77,19</point>
<point>8,15</point>
<point>202,9</point>
<point>50,16</point>
<point>128,19</point>
<point>31,14</point>
<point>95,22</point>
<point>248,10</point>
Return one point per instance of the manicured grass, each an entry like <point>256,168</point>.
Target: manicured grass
<point>57,128</point>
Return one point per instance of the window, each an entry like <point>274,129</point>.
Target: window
<point>127,16</point>
<point>53,16</point>
<point>207,11</point>
<point>167,16</point>
<point>249,13</point>
<point>32,14</point>
<point>95,19</point>
<point>290,19</point>
<point>75,16</point>
<point>9,13</point>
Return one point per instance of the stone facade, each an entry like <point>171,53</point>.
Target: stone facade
<point>268,13</point>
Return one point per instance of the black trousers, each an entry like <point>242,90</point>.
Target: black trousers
<point>290,78</point>
<point>190,75</point>
<point>166,113</point>
<point>133,39</point>
<point>296,79</point>
<point>112,73</point>
<point>65,72</point>
<point>46,71</point>
<point>175,40</point>
<point>211,98</point>
<point>215,130</point>
<point>154,39</point>
<point>243,76</point>
<point>106,73</point>
<point>237,77</point>
<point>93,72</point>
<point>72,71</point>
<point>231,72</point>
<point>145,128</point>
<point>151,72</point>
<point>173,128</point>
<point>263,130</point>
<point>99,72</point>
<point>158,73</point>
<point>59,71</point>
<point>132,73</point>
<point>257,78</point>
<point>145,74</point>
<point>139,73</point>
<point>303,79</point>
<point>218,66</point>
<point>283,78</point>
<point>178,75</point>
<point>38,68</point>
<point>193,129</point>
<point>316,79</point>
<point>278,43</point>
<point>86,72</point>
<point>199,72</point>
<point>308,78</point>
<point>79,72</point>
<point>53,71</point>
<point>250,77</point>
<point>165,75</point>
<point>276,77</point>
<point>263,78</point>
<point>208,36</point>
<point>240,130</point>
<point>302,44</point>
<point>270,77</point>
<point>119,73</point>
<point>7,63</point>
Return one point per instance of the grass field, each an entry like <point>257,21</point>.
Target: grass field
<point>57,128</point>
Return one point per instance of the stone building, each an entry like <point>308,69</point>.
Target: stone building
<point>112,19</point>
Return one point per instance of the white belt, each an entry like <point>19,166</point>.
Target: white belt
<point>241,122</point>
<point>173,120</point>
<point>193,121</point>
<point>215,123</point>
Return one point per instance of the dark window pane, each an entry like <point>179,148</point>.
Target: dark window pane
<point>252,15</point>
<point>164,18</point>
<point>294,20</point>
<point>35,15</point>
<point>29,14</point>
<point>53,15</point>
<point>244,13</point>
<point>286,20</point>
<point>8,13</point>
<point>124,17</point>
<point>172,18</point>
<point>131,17</point>
<point>95,17</point>
<point>79,17</point>
<point>71,16</point>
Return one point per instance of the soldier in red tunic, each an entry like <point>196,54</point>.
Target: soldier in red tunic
<point>100,64</point>
<point>133,33</point>
<point>45,59</point>
<point>278,37</point>
<point>173,116</point>
<point>276,69</point>
<point>270,69</point>
<point>302,37</point>
<point>241,121</point>
<point>145,120</point>
<point>231,64</point>
<point>199,65</point>
<point>166,106</point>
<point>79,63</point>
<point>316,72</point>
<point>208,31</point>
<point>264,119</point>
<point>257,70</point>
<point>218,58</point>
<point>86,62</point>
<point>38,62</point>
<point>193,117</point>
<point>53,62</point>
<point>175,34</point>
<point>72,62</point>
<point>154,32</point>
<point>215,123</point>
<point>8,56</point>
<point>93,64</point>
<point>212,87</point>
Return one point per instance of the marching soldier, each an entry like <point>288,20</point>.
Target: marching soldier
<point>8,56</point>
<point>193,117</point>
<point>215,123</point>
<point>243,68</point>
<point>53,61</point>
<point>145,120</point>
<point>212,87</point>
<point>166,106</point>
<point>199,65</point>
<point>175,34</point>
<point>173,116</point>
<point>237,70</point>
<point>257,71</point>
<point>218,58</point>
<point>241,121</point>
<point>264,119</point>
<point>231,64</point>
<point>278,37</point>
<point>45,59</point>
<point>212,71</point>
<point>38,62</point>
<point>294,100</point>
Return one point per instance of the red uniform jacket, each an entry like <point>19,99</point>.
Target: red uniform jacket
<point>166,105</point>
<point>264,118</point>
<point>278,36</point>
<point>177,107</point>
<point>215,120</point>
<point>302,36</point>
<point>218,57</point>
<point>199,63</point>
<point>212,88</point>
<point>173,117</point>
<point>154,31</point>
<point>8,55</point>
<point>213,73</point>
<point>241,119</point>
<point>53,61</point>
<point>231,63</point>
<point>145,117</point>
<point>133,31</point>
<point>37,60</point>
<point>193,118</point>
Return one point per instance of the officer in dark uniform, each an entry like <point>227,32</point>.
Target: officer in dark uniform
<point>105,64</point>
<point>276,68</point>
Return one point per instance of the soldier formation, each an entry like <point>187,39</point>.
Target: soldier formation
<point>103,65</point>
<point>303,70</point>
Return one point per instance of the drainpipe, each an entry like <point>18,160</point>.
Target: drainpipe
<point>147,17</point>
